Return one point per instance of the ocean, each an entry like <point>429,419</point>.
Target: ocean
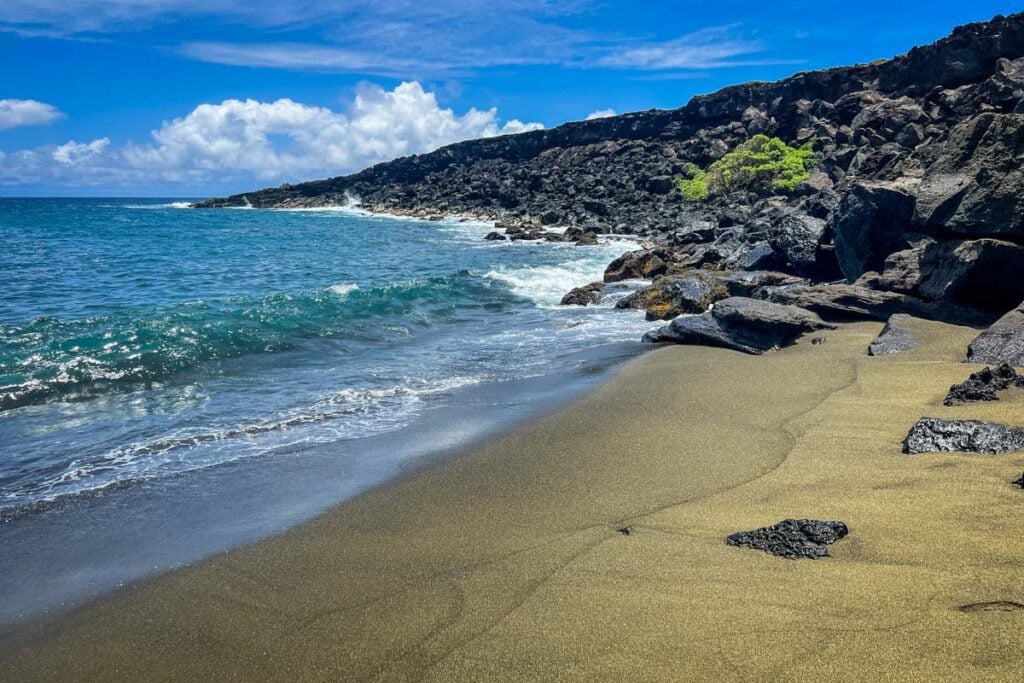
<point>175,382</point>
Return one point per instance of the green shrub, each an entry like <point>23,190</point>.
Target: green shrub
<point>694,187</point>
<point>761,165</point>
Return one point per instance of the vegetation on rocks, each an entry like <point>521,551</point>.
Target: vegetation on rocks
<point>761,165</point>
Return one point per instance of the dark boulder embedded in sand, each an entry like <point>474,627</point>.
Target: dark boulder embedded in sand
<point>984,385</point>
<point>642,264</point>
<point>740,324</point>
<point>934,435</point>
<point>792,538</point>
<point>673,295</point>
<point>1002,342</point>
<point>895,337</point>
<point>870,224</point>
<point>1019,482</point>
<point>584,296</point>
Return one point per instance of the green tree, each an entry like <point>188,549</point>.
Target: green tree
<point>761,165</point>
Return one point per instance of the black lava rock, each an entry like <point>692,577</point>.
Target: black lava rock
<point>933,435</point>
<point>894,337</point>
<point>1020,482</point>
<point>984,385</point>
<point>792,538</point>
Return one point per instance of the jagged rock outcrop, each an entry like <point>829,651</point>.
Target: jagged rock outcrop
<point>934,435</point>
<point>741,324</point>
<point>793,539</point>
<point>895,337</point>
<point>984,385</point>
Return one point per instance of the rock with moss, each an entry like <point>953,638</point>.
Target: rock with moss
<point>673,295</point>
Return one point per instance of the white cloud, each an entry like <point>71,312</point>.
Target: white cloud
<point>15,113</point>
<point>600,114</point>
<point>710,48</point>
<point>263,142</point>
<point>72,152</point>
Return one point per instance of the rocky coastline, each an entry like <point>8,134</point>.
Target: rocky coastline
<point>914,207</point>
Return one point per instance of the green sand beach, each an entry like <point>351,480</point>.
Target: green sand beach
<point>507,563</point>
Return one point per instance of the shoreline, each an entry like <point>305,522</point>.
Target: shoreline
<point>73,536</point>
<point>506,561</point>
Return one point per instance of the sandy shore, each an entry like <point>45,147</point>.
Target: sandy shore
<point>505,563</point>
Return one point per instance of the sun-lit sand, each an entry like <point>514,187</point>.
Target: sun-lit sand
<point>505,563</point>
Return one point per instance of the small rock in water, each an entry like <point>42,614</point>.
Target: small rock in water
<point>792,538</point>
<point>933,435</point>
<point>1019,482</point>
<point>583,296</point>
<point>984,385</point>
<point>494,236</point>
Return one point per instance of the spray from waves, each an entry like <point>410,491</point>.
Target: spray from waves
<point>343,289</point>
<point>190,450</point>
<point>169,205</point>
<point>547,284</point>
<point>50,359</point>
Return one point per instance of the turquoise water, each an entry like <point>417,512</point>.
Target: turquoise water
<point>141,340</point>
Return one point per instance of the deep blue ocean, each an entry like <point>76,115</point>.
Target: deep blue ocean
<point>144,342</point>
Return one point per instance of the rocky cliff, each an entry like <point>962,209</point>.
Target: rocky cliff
<point>917,196</point>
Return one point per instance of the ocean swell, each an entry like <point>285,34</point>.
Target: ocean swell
<point>50,359</point>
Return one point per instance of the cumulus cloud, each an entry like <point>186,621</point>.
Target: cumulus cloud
<point>71,153</point>
<point>264,141</point>
<point>15,113</point>
<point>600,114</point>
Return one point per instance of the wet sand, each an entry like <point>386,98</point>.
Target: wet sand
<point>505,563</point>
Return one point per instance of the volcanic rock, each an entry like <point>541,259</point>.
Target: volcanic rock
<point>740,324</point>
<point>984,385</point>
<point>934,435</point>
<point>895,337</point>
<point>673,295</point>
<point>584,296</point>
<point>793,539</point>
<point>1003,342</point>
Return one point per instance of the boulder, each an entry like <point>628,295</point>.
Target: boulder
<point>747,283</point>
<point>869,224</point>
<point>974,182</point>
<point>1003,342</point>
<point>495,236</point>
<point>984,385</point>
<point>584,296</point>
<point>895,337</point>
<point>674,295</point>
<point>983,274</point>
<point>741,324</point>
<point>934,435</point>
<point>863,303</point>
<point>642,264</point>
<point>793,539</point>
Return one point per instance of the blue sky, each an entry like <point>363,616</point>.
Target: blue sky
<point>205,97</point>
